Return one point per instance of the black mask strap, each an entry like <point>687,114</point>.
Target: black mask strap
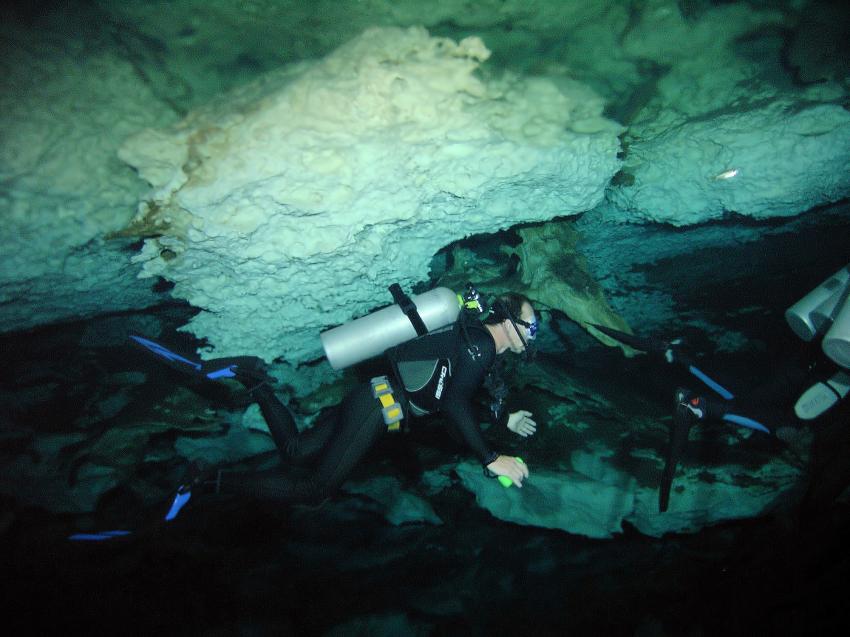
<point>530,351</point>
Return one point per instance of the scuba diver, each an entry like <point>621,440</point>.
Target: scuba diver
<point>690,407</point>
<point>438,371</point>
<point>824,311</point>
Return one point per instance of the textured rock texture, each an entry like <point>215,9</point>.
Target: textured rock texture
<point>290,205</point>
<point>67,104</point>
<point>775,160</point>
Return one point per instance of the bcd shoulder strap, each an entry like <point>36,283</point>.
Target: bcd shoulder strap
<point>409,308</point>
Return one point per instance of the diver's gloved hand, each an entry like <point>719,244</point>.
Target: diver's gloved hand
<point>520,423</point>
<point>513,468</point>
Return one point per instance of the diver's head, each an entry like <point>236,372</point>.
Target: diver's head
<point>513,324</point>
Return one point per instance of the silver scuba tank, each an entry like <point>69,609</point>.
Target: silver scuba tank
<point>836,342</point>
<point>818,309</point>
<point>375,333</point>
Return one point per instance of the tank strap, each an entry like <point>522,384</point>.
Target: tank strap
<point>390,407</point>
<point>409,308</point>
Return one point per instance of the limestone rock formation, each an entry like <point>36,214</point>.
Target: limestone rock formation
<point>289,206</point>
<point>66,106</point>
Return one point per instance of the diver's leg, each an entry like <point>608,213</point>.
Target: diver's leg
<point>291,443</point>
<point>278,416</point>
<point>250,371</point>
<point>683,419</point>
<point>358,428</point>
<point>691,409</point>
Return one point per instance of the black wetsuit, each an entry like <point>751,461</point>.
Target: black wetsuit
<point>340,443</point>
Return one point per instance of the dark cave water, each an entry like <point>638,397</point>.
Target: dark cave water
<point>242,568</point>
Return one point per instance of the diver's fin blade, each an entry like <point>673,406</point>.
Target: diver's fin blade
<point>221,371</point>
<point>179,502</point>
<point>822,396</point>
<point>743,421</point>
<point>247,368</point>
<point>635,342</point>
<point>97,537</point>
<point>711,383</point>
<point>166,356</point>
<point>215,369</point>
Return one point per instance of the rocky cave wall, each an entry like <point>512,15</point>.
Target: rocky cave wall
<point>727,109</point>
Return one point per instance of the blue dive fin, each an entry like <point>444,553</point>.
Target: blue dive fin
<point>224,372</point>
<point>213,370</point>
<point>745,422</point>
<point>97,537</point>
<point>166,354</point>
<point>180,501</point>
<point>714,385</point>
<point>660,346</point>
<point>177,504</point>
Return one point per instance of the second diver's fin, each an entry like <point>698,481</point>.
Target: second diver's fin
<point>671,352</point>
<point>705,378</point>
<point>744,421</point>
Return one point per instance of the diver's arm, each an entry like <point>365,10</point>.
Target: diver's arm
<point>458,402</point>
<point>459,410</point>
<point>460,414</point>
<point>460,418</point>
